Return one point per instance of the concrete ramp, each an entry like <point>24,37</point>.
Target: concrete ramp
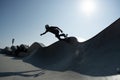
<point>101,53</point>
<point>58,56</point>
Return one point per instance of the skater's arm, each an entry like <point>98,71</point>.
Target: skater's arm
<point>44,33</point>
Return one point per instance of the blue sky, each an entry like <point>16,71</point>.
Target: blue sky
<point>24,20</point>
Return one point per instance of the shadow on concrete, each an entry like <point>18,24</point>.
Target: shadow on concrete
<point>32,73</point>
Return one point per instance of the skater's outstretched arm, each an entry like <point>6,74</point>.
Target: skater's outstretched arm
<point>44,33</point>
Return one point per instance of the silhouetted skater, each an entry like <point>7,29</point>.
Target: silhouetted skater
<point>55,30</point>
<point>13,40</point>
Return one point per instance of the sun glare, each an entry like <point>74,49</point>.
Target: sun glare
<point>80,39</point>
<point>88,7</point>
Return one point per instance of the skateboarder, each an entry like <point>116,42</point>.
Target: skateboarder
<point>55,30</point>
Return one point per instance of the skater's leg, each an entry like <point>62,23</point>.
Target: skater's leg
<point>58,36</point>
<point>63,35</point>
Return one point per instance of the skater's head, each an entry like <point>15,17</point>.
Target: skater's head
<point>46,26</point>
